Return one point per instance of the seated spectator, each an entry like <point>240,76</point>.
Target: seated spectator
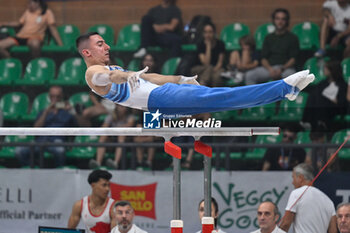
<point>119,118</point>
<point>210,58</point>
<point>335,26</point>
<point>140,151</point>
<point>279,52</point>
<point>327,99</point>
<point>214,214</point>
<point>100,107</point>
<point>150,61</point>
<point>162,26</point>
<point>57,114</point>
<point>317,157</point>
<point>284,158</point>
<point>147,60</point>
<point>34,22</point>
<point>242,61</point>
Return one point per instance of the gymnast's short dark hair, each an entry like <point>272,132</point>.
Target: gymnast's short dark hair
<point>84,37</point>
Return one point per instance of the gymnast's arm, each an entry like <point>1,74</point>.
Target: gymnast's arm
<point>99,78</point>
<point>160,79</point>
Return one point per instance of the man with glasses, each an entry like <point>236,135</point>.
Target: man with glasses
<point>279,52</point>
<point>124,214</point>
<point>284,158</point>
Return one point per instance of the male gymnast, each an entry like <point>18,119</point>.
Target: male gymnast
<point>171,94</point>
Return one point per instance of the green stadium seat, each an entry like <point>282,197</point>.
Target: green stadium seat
<point>308,34</point>
<point>8,30</point>
<point>303,137</point>
<point>169,67</point>
<point>134,64</point>
<point>38,72</point>
<point>8,152</point>
<point>10,70</point>
<point>25,49</point>
<point>68,33</point>
<point>156,49</point>
<point>315,65</point>
<point>119,62</point>
<point>40,102</point>
<point>258,153</point>
<point>71,72</point>
<point>14,105</point>
<point>128,38</point>
<point>84,152</point>
<point>346,69</point>
<point>231,34</point>
<point>225,116</point>
<point>232,82</point>
<point>291,111</point>
<point>20,49</point>
<point>257,114</point>
<point>106,32</point>
<point>189,47</point>
<point>261,32</point>
<point>80,98</point>
<point>338,138</point>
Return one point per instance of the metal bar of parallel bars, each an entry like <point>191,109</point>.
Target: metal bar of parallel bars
<point>162,132</point>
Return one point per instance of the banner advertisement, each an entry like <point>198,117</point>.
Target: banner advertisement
<point>32,198</point>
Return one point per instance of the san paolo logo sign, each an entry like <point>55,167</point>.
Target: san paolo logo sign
<point>142,198</point>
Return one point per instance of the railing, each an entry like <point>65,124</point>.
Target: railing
<point>218,147</point>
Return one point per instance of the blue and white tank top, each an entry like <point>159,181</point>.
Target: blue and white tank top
<point>121,93</point>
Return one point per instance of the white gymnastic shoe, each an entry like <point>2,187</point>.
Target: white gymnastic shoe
<point>299,81</point>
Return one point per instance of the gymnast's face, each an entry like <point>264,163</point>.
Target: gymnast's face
<point>97,50</point>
